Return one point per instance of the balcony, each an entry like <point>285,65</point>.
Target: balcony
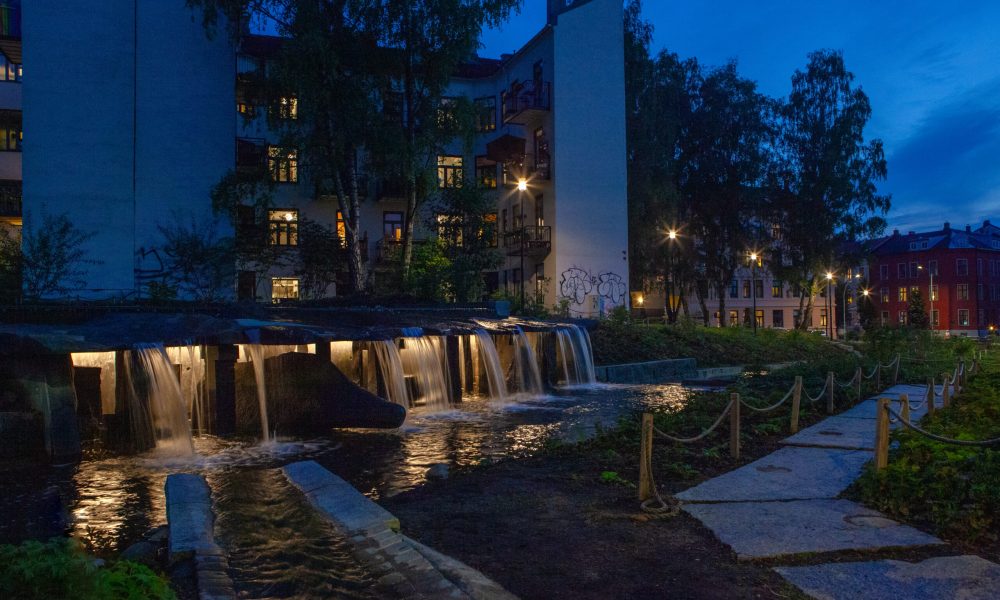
<point>251,155</point>
<point>534,240</point>
<point>10,200</point>
<point>10,30</point>
<point>527,102</point>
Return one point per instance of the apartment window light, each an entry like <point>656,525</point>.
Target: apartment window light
<point>450,171</point>
<point>288,108</point>
<point>284,288</point>
<point>283,227</point>
<point>486,173</point>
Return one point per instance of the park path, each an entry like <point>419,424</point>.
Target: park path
<point>786,505</point>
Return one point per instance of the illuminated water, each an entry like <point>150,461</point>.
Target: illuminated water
<point>275,541</point>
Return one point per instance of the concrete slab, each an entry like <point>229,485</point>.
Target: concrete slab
<point>757,530</point>
<point>790,473</point>
<point>837,432</point>
<point>190,522</point>
<point>339,500</point>
<point>965,577</point>
<point>866,409</point>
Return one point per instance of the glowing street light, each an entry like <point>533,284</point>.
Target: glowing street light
<point>672,234</point>
<point>522,185</point>
<point>754,260</point>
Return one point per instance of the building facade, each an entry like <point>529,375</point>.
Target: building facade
<point>11,119</point>
<point>956,271</point>
<point>549,146</point>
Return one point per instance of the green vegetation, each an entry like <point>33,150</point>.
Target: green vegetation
<point>619,341</point>
<point>954,489</point>
<point>61,569</point>
<point>924,354</point>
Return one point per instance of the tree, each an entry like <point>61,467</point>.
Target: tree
<point>428,278</point>
<point>825,191</point>
<point>10,265</point>
<point>53,260</point>
<point>916,311</point>
<point>466,222</point>
<point>868,314</point>
<point>724,161</point>
<point>198,262</point>
<point>317,244</point>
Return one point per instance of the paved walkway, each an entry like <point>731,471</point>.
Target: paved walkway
<point>785,505</point>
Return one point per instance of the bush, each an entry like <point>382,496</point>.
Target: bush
<point>61,569</point>
<point>955,489</point>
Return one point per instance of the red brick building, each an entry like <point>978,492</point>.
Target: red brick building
<point>964,266</point>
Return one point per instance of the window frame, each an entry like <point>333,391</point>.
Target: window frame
<point>450,176</point>
<point>283,164</point>
<point>283,228</point>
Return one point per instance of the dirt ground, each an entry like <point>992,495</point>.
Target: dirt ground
<point>550,527</point>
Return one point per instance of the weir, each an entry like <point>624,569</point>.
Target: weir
<point>423,361</point>
<point>256,354</point>
<point>489,360</point>
<point>575,356</point>
<point>157,409</point>
<point>390,366</point>
<point>527,374</point>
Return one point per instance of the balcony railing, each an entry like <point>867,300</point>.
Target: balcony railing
<point>524,103</point>
<point>390,250</point>
<point>10,200</point>
<point>531,240</point>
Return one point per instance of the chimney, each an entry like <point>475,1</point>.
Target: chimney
<point>968,229</point>
<point>947,226</point>
<point>895,233</point>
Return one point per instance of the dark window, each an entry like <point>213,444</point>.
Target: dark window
<point>486,114</point>
<point>446,112</point>
<point>486,172</point>
<point>392,225</point>
<point>962,291</point>
<point>746,288</point>
<point>885,295</point>
<point>913,270</point>
<point>901,270</point>
<point>778,318</point>
<point>542,157</point>
<point>734,289</point>
<point>11,131</point>
<point>758,288</point>
<point>283,164</point>
<point>490,229</point>
<point>883,271</point>
<point>962,266</point>
<point>540,210</point>
<point>932,267</point>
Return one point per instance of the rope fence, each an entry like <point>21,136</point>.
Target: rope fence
<point>952,383</point>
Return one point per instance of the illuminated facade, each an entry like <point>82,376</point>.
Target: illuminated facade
<point>11,129</point>
<point>139,145</point>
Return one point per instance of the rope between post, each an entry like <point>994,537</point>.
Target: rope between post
<point>821,392</point>
<point>769,408</point>
<point>942,439</point>
<point>700,436</point>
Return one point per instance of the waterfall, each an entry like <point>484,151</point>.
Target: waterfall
<point>161,411</point>
<point>575,356</point>
<point>422,361</point>
<point>390,365</point>
<point>256,354</point>
<point>196,406</point>
<point>490,361</point>
<point>529,377</point>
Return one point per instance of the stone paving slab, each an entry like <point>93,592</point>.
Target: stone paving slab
<point>964,577</point>
<point>837,432</point>
<point>351,509</point>
<point>790,473</point>
<point>757,530</point>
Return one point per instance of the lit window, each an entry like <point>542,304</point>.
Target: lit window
<point>284,288</point>
<point>963,317</point>
<point>934,293</point>
<point>777,287</point>
<point>288,107</point>
<point>341,229</point>
<point>486,172</point>
<point>902,294</point>
<point>450,171</point>
<point>283,227</point>
<point>392,225</point>
<point>9,71</point>
<point>449,229</point>
<point>283,164</point>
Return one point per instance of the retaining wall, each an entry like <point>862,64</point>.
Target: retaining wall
<point>657,371</point>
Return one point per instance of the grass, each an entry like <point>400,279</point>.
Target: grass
<point>617,342</point>
<point>61,569</point>
<point>954,490</point>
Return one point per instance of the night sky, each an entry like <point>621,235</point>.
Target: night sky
<point>930,68</point>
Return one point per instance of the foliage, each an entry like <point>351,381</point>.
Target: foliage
<point>315,258</point>
<point>955,489</point>
<point>924,354</point>
<point>60,568</point>
<point>916,311</point>
<point>53,260</point>
<point>10,265</point>
<point>428,275</point>
<point>620,341</point>
<point>469,229</point>
<point>198,262</point>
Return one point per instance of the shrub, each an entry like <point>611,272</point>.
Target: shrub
<point>61,569</point>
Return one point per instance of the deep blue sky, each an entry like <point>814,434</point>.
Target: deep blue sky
<point>930,68</point>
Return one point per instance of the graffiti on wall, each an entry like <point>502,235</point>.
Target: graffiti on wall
<point>575,284</point>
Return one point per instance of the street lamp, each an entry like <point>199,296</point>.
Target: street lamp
<point>668,307</point>
<point>844,304</point>
<point>930,294</point>
<point>754,257</point>
<point>829,301</point>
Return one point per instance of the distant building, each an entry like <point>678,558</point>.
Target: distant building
<point>956,271</point>
<point>136,129</point>
<point>10,113</point>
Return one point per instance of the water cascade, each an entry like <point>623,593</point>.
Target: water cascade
<point>490,362</point>
<point>256,354</point>
<point>422,360</point>
<point>159,411</point>
<point>575,356</point>
<point>526,371</point>
<point>390,365</point>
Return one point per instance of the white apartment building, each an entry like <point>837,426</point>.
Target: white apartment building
<point>10,113</point>
<point>147,117</point>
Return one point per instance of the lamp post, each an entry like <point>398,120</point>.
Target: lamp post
<point>668,307</point>
<point>844,303</point>
<point>930,295</point>
<point>522,186</point>
<point>754,257</point>
<point>831,329</point>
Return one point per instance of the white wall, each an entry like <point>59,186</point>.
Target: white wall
<point>590,235</point>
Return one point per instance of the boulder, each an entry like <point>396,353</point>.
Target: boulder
<point>307,395</point>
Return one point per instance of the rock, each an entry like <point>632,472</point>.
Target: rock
<point>141,552</point>
<point>307,394</point>
<point>437,471</point>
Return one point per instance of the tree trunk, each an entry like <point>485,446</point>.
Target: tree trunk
<point>700,293</point>
<point>409,161</point>
<point>349,211</point>
<point>722,306</point>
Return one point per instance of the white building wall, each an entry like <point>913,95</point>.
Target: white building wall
<point>590,226</point>
<point>79,127</point>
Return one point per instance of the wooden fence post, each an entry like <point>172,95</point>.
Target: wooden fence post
<point>882,434</point>
<point>734,426</point>
<point>860,375</point>
<point>904,410</point>
<point>930,395</point>
<point>646,458</point>
<point>944,392</point>
<point>796,401</point>
<point>829,393</point>
<point>878,378</point>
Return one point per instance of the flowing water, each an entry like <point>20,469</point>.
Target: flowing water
<point>575,358</point>
<point>390,366</point>
<point>158,408</point>
<point>256,355</point>
<point>424,362</point>
<point>489,361</point>
<point>526,371</point>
